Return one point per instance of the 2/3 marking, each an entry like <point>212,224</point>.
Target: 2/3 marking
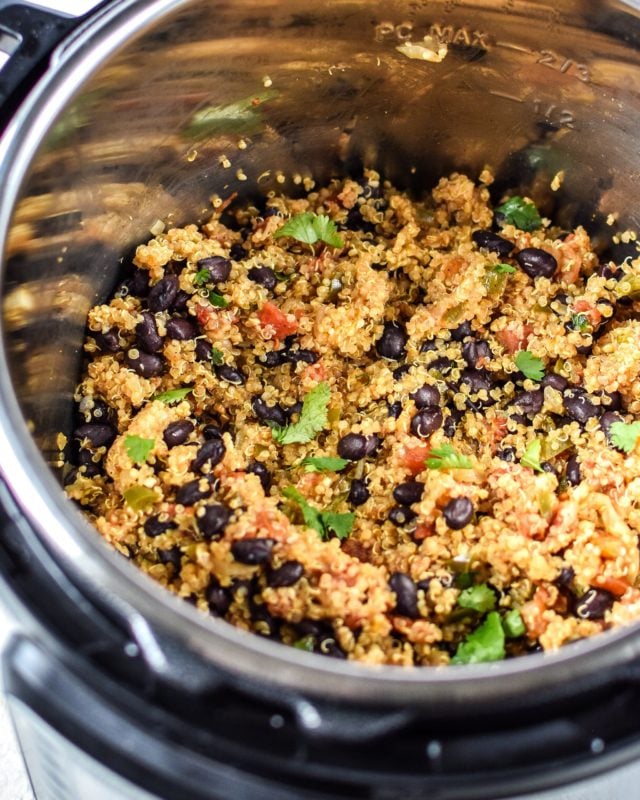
<point>567,66</point>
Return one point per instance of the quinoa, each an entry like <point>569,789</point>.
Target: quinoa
<point>408,442</point>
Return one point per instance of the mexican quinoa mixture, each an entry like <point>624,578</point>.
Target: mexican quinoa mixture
<point>389,430</point>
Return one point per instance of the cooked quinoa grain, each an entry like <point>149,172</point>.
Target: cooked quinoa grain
<point>395,431</point>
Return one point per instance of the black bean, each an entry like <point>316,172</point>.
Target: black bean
<point>177,432</point>
<point>442,365</point>
<point>211,453</point>
<point>139,283</point>
<point>487,240</point>
<point>218,598</point>
<point>231,374</point>
<point>401,515</point>
<point>203,350</point>
<point>269,414</point>
<point>353,446</point>
<point>428,346</point>
<point>452,421</point>
<point>211,431</point>
<point>408,493</point>
<point>547,466</point>
<point>108,342</point>
<point>610,271</point>
<point>608,419</point>
<point>573,471</point>
<point>264,276</point>
<point>394,409</point>
<point>507,454</point>
<point>180,328</point>
<point>219,268</point>
<point>301,355</point>
<point>530,403</point>
<point>358,492</point>
<point>252,551</point>
<point>329,647</point>
<point>458,513</point>
<point>593,604</point>
<point>237,252</point>
<point>555,381</point>
<point>612,401</point>
<point>181,300</point>
<point>566,576</point>
<point>85,457</point>
<point>262,471</point>
<point>399,372</point>
<point>172,556</point>
<point>285,575</point>
<point>475,350</point>
<point>99,434</point>
<point>406,593</point>
<point>147,365</point>
<point>163,294</point>
<point>191,492</point>
<point>477,380</point>
<point>374,442</point>
<point>537,263</point>
<point>213,519</point>
<point>154,526</point>
<point>426,396</point>
<point>100,411</point>
<point>294,409</point>
<point>426,422</point>
<point>273,358</point>
<point>147,335</point>
<point>579,407</point>
<point>392,342</point>
<point>91,470</point>
<point>460,333</point>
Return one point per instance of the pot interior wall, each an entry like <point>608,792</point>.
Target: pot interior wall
<point>240,99</point>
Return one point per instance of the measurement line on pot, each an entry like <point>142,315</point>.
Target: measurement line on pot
<point>565,65</point>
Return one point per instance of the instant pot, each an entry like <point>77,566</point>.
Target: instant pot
<point>132,118</point>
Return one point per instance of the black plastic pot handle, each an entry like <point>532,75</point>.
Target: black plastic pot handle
<point>30,35</point>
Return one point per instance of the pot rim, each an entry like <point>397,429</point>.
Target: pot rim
<point>146,606</point>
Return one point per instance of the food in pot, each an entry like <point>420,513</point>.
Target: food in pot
<point>392,430</point>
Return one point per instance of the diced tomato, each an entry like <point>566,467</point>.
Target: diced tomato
<point>283,324</point>
<point>513,340</point>
<point>415,456</point>
<point>498,430</point>
<point>587,308</point>
<point>616,586</point>
<point>203,314</point>
<point>314,372</point>
<point>423,531</point>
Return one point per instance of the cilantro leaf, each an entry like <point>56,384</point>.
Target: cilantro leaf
<point>321,521</point>
<point>478,598</point>
<point>202,277</point>
<point>217,356</point>
<point>513,624</point>
<point>521,213</point>
<point>446,457</point>
<point>139,497</point>
<point>579,322</point>
<point>306,643</point>
<point>217,300</point>
<point>503,269</point>
<point>624,435</point>
<point>313,418</point>
<point>484,644</point>
<point>138,448</point>
<point>173,395</point>
<point>310,228</point>
<point>323,464</point>
<point>531,456</point>
<point>529,365</point>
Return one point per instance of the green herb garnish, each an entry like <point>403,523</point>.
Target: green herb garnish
<point>478,598</point>
<point>138,448</point>
<point>503,269</point>
<point>173,395</point>
<point>312,420</point>
<point>217,300</point>
<point>521,213</point>
<point>202,277</point>
<point>484,644</point>
<point>513,624</point>
<point>624,435</point>
<point>579,322</point>
<point>139,497</point>
<point>529,365</point>
<point>323,464</point>
<point>310,228</point>
<point>531,456</point>
<point>321,521</point>
<point>306,643</point>
<point>217,356</point>
<point>446,457</point>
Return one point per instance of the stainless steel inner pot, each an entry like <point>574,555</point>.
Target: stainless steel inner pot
<point>156,105</point>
